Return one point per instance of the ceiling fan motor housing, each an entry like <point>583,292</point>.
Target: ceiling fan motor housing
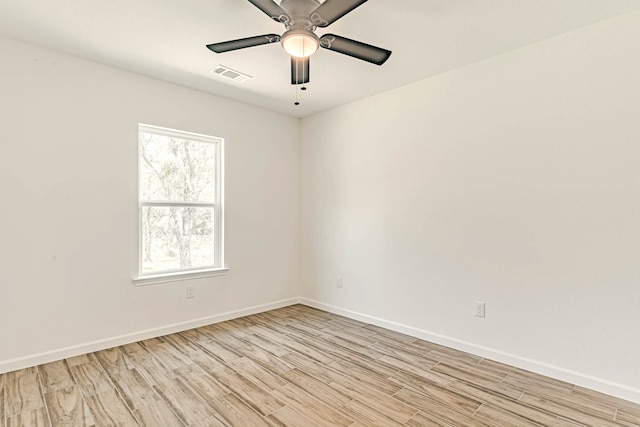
<point>300,11</point>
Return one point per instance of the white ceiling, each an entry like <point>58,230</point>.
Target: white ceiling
<point>166,39</point>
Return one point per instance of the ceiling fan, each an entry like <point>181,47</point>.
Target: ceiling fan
<point>301,18</point>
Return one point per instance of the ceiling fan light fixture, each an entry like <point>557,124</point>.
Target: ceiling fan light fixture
<point>300,43</point>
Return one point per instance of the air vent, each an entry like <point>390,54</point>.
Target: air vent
<point>234,75</point>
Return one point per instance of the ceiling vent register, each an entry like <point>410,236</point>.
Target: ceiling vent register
<point>229,73</point>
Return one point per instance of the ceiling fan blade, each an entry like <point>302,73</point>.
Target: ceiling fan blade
<point>299,70</point>
<point>356,49</point>
<point>332,10</point>
<point>272,9</point>
<point>243,43</point>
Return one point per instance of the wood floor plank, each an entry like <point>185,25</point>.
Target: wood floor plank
<point>319,371</point>
<point>10,376</point>
<point>445,417</point>
<point>219,334</point>
<point>31,418</point>
<point>519,374</point>
<point>237,413</point>
<point>337,341</point>
<point>628,417</point>
<point>189,350</point>
<point>184,402</point>
<point>108,409</point>
<point>310,313</point>
<point>287,417</point>
<point>478,377</point>
<point>442,353</point>
<point>79,360</point>
<point>239,328</point>
<point>568,412</point>
<point>425,398</point>
<point>251,393</point>
<point>532,414</point>
<point>595,396</point>
<point>472,368</point>
<point>394,408</point>
<point>55,376</point>
<point>345,322</point>
<point>367,377</point>
<point>360,331</point>
<point>561,422</point>
<point>218,349</point>
<point>318,412</point>
<point>348,336</point>
<point>422,419</point>
<point>149,366</point>
<point>22,392</point>
<point>67,408</point>
<point>317,342</point>
<point>2,394</point>
<point>113,360</point>
<point>420,370</point>
<point>266,359</point>
<point>269,345</point>
<point>383,369</point>
<point>396,336</point>
<point>157,413</point>
<point>573,401</point>
<point>407,354</point>
<point>133,388</point>
<point>212,366</point>
<point>368,416</point>
<point>166,353</point>
<point>420,384</point>
<point>538,386</point>
<point>323,392</point>
<point>458,358</point>
<point>202,383</point>
<point>385,339</point>
<point>499,417</point>
<point>309,328</point>
<point>257,373</point>
<point>91,378</point>
<point>308,324</point>
<point>275,317</point>
<point>300,347</point>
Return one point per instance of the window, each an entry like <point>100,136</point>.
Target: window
<point>180,202</point>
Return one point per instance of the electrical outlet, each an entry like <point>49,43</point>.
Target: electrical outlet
<point>338,281</point>
<point>191,292</point>
<point>479,309</point>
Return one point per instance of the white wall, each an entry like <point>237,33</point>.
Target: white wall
<point>514,181</point>
<point>68,222</point>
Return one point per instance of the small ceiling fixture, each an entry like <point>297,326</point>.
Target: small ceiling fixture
<point>300,43</point>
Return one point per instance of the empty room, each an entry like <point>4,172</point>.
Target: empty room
<point>320,213</point>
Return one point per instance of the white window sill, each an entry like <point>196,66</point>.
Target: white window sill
<point>174,277</point>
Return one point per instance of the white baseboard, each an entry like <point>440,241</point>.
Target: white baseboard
<point>597,384</point>
<point>63,353</point>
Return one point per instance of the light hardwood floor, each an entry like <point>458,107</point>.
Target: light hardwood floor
<point>295,366</point>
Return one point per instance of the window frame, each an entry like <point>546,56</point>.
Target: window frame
<point>218,267</point>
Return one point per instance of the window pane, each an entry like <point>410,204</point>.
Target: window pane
<point>176,170</point>
<point>177,238</point>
